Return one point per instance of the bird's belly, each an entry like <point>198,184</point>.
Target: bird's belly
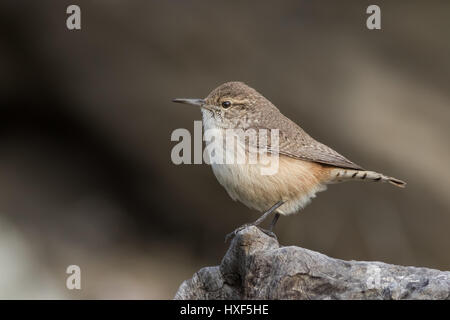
<point>295,181</point>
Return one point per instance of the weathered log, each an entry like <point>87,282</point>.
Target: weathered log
<point>257,267</point>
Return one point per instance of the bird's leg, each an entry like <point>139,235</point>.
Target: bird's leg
<point>258,222</point>
<point>274,222</point>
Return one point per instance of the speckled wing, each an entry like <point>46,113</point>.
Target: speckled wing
<point>296,143</point>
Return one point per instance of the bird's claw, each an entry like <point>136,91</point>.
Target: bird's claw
<point>234,233</point>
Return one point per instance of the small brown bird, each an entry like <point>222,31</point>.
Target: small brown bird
<point>305,166</point>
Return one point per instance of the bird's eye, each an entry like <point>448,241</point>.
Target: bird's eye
<point>226,104</point>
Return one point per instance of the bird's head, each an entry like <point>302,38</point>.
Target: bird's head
<point>231,105</point>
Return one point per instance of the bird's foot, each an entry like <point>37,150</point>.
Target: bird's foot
<point>232,234</point>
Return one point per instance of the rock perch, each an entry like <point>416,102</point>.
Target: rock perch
<point>257,267</point>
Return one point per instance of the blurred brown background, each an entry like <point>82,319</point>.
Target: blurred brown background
<point>86,117</point>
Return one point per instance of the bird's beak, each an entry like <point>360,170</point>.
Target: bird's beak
<point>194,102</point>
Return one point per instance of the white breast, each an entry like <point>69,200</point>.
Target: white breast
<point>295,182</point>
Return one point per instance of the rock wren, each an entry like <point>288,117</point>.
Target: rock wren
<point>305,166</point>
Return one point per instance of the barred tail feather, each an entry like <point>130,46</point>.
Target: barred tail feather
<point>341,175</point>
